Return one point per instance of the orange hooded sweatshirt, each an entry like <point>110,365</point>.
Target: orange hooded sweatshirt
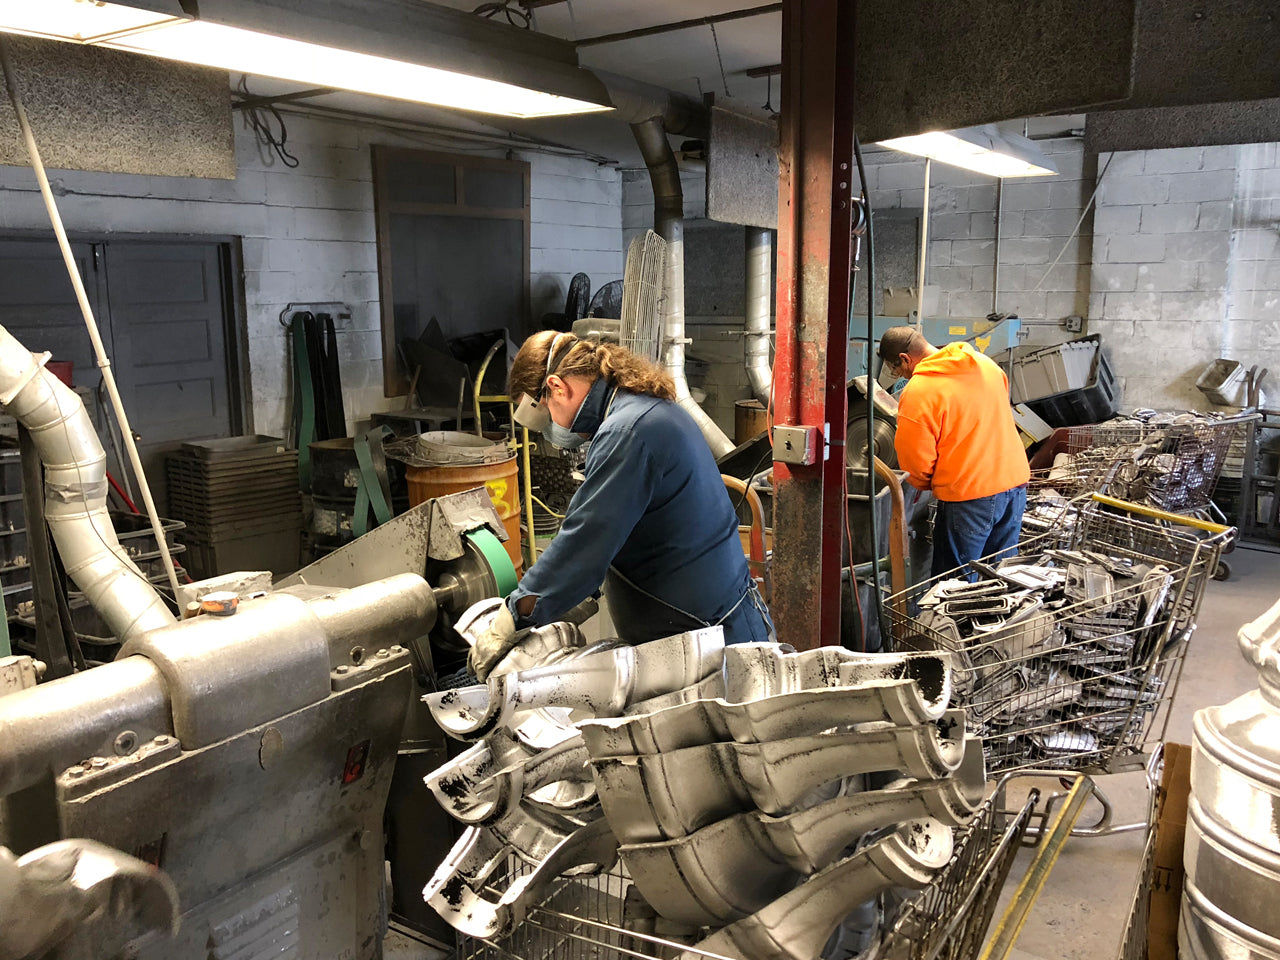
<point>956,434</point>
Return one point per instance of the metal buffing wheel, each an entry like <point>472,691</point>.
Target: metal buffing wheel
<point>484,570</point>
<point>855,450</point>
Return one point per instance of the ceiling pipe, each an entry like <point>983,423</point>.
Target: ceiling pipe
<point>668,223</point>
<point>758,311</point>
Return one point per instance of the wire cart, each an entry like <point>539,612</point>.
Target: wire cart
<point>1133,942</point>
<point>597,918</point>
<point>1173,465</point>
<point>1084,681</point>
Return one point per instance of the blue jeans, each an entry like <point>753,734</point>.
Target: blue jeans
<point>967,530</point>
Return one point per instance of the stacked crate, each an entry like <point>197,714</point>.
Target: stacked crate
<point>240,501</point>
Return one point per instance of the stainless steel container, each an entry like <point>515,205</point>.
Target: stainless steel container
<point>1232,852</point>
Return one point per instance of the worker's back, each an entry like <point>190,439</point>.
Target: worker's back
<point>956,433</point>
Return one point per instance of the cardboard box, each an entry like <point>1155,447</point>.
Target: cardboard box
<point>1171,826</point>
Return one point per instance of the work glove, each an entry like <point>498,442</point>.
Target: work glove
<point>491,630</point>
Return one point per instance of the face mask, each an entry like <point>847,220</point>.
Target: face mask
<point>563,437</point>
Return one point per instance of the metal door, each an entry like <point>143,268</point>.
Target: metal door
<point>168,306</point>
<point>163,312</point>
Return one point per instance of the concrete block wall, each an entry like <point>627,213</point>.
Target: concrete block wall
<point>1178,263</point>
<point>1038,217</point>
<point>308,234</point>
<point>1187,266</point>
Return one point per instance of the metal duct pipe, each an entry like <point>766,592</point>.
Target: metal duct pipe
<point>636,101</point>
<point>668,222</point>
<point>76,492</point>
<point>758,310</point>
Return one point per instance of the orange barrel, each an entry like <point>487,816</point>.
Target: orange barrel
<point>750,419</point>
<point>463,461</point>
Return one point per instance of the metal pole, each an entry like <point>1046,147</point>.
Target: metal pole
<point>82,298</point>
<point>815,247</point>
<point>924,243</point>
<point>995,272</point>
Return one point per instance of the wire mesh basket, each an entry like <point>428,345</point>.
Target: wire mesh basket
<point>1133,942</point>
<point>949,920</point>
<point>1172,463</point>
<point>1080,673</point>
<point>600,917</point>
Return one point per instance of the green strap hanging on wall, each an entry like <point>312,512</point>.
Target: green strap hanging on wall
<point>369,490</point>
<point>304,401</point>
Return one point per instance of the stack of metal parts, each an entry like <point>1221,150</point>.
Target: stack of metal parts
<point>240,501</point>
<point>729,780</point>
<point>1232,851</point>
<point>1060,655</point>
<point>1168,460</point>
<point>642,288</point>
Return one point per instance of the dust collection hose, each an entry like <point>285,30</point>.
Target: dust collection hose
<point>75,464</point>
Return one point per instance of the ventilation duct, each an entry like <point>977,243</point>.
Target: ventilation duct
<point>76,492</point>
<point>668,222</point>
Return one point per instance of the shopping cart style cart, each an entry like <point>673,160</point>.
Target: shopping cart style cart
<point>1168,461</point>
<point>1069,655</point>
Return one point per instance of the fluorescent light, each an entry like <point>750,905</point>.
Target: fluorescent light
<point>981,149</point>
<point>246,51</point>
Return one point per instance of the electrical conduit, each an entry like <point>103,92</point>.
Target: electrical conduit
<point>668,223</point>
<point>76,492</point>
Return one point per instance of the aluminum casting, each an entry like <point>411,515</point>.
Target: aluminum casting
<point>464,890</point>
<point>668,795</point>
<point>738,865</point>
<point>785,715</point>
<point>798,924</point>
<point>598,684</point>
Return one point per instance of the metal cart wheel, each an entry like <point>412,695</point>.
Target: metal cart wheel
<point>1222,571</point>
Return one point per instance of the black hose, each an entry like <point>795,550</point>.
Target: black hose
<point>885,640</point>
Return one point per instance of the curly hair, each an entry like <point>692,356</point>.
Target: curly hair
<point>586,358</point>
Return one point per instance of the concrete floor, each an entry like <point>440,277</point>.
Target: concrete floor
<point>1082,911</point>
<point>1084,906</point>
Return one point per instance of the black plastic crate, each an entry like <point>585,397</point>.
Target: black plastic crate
<point>1097,402</point>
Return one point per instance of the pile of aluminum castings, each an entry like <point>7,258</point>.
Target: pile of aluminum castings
<point>729,781</point>
<point>1168,460</point>
<point>1055,652</point>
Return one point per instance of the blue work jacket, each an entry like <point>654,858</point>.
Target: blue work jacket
<point>653,506</point>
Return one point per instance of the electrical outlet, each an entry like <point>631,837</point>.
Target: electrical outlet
<point>1073,324</point>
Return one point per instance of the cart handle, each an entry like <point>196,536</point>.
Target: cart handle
<point>1206,525</point>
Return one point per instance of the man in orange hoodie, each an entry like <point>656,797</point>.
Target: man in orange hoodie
<point>956,437</point>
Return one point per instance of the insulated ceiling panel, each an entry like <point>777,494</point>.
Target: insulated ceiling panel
<point>94,109</point>
<point>942,64</point>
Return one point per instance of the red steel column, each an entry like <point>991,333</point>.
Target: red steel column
<point>817,183</point>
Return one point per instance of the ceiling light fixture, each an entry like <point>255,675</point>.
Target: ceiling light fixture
<point>400,49</point>
<point>986,149</point>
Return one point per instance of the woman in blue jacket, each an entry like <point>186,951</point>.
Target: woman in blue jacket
<point>652,521</point>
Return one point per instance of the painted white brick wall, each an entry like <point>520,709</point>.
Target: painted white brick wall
<point>308,234</point>
<point>1188,266</point>
<point>1179,262</point>
<point>1037,220</point>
